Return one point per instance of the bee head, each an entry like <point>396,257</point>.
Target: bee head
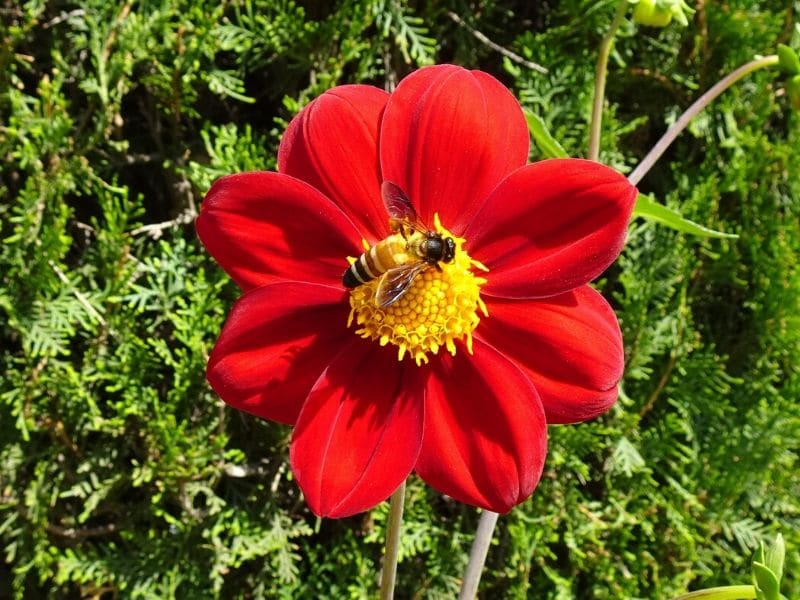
<point>435,248</point>
<point>449,252</point>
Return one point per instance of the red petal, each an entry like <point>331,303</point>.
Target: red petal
<point>333,145</point>
<point>448,137</point>
<point>265,227</point>
<point>277,341</point>
<point>485,433</point>
<point>550,227</point>
<point>569,346</point>
<point>360,430</point>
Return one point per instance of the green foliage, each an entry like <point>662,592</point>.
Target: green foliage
<point>648,208</point>
<point>547,144</point>
<point>789,61</point>
<point>121,474</point>
<point>768,570</point>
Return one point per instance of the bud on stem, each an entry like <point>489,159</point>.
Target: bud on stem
<point>659,13</point>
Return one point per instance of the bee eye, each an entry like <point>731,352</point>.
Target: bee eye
<point>449,250</point>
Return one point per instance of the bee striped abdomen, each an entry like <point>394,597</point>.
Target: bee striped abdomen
<point>381,257</point>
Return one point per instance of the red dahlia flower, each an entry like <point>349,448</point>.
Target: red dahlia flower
<point>458,379</point>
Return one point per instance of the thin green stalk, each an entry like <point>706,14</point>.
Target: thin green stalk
<point>389,571</point>
<point>477,555</point>
<point>730,592</point>
<point>691,112</point>
<point>604,52</point>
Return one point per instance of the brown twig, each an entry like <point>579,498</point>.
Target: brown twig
<point>673,356</point>
<point>64,16</point>
<point>497,47</point>
<point>702,27</point>
<point>155,230</point>
<point>81,298</point>
<point>59,432</point>
<point>81,534</point>
<point>662,383</point>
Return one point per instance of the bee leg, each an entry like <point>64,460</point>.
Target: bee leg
<point>438,266</point>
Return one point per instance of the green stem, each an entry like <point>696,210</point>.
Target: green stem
<point>596,123</point>
<point>389,572</point>
<point>691,112</point>
<point>477,555</point>
<point>730,592</point>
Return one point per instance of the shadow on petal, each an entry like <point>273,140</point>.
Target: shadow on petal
<point>277,341</point>
<point>264,227</point>
<point>360,430</point>
<point>550,227</point>
<point>332,144</point>
<point>570,347</point>
<point>485,432</point>
<point>448,137</point>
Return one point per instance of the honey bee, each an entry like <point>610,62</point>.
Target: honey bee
<point>399,258</point>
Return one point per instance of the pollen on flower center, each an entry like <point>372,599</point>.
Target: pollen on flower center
<point>438,308</point>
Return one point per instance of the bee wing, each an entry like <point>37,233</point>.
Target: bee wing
<point>401,212</point>
<point>395,282</point>
<point>397,203</point>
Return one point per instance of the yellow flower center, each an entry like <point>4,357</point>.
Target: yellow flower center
<point>438,307</point>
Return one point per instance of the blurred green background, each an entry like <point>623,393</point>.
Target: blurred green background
<point>122,475</point>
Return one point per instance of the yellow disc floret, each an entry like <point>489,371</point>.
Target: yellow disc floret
<point>438,308</point>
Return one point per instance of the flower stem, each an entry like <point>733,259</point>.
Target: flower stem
<point>691,112</point>
<point>392,542</point>
<point>600,80</point>
<point>477,555</point>
<point>730,592</point>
